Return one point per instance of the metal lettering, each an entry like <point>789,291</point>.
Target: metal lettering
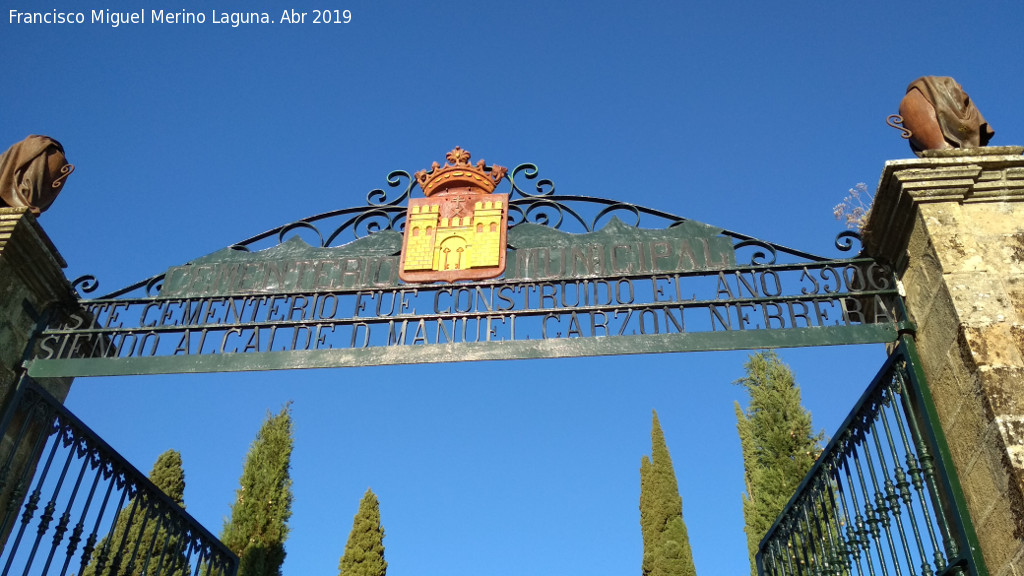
<point>823,274</point>
<point>776,283</point>
<point>437,297</point>
<point>629,291</point>
<point>307,332</point>
<point>742,318</point>
<point>658,290</point>
<point>751,286</point>
<point>298,305</point>
<point>662,255</point>
<point>595,324</point>
<point>321,316</point>
<point>804,313</point>
<point>820,315</point>
<point>548,300</point>
<point>625,321</point>
<point>321,336</point>
<point>716,315</point>
<point>574,326</point>
<point>153,347</point>
<point>852,312</point>
<point>355,335</point>
<point>723,288</point>
<point>643,325</point>
<point>615,259</point>
<point>775,315</point>
<point>670,319</point>
<point>806,275</point>
<point>224,340</point>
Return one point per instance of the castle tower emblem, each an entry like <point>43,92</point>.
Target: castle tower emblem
<point>458,231</point>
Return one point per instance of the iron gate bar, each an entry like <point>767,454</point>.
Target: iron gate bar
<point>854,487</point>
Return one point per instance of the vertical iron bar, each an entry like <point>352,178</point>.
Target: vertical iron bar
<point>916,481</point>
<point>65,518</point>
<point>101,560</point>
<point>33,502</point>
<point>882,509</point>
<point>90,542</point>
<point>76,534</point>
<point>892,494</point>
<point>51,504</point>
<point>970,550</point>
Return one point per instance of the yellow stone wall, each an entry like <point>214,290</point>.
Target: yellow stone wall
<point>421,230</point>
<point>487,234</point>
<point>479,236</point>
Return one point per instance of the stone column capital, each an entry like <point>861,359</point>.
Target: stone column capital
<point>961,176</point>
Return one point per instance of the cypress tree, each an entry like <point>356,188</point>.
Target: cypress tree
<point>666,544</point>
<point>364,551</point>
<point>778,443</point>
<point>257,528</point>
<point>142,537</point>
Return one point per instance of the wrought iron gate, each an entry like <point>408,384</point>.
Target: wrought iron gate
<point>578,276</point>
<point>56,462</point>
<point>883,497</point>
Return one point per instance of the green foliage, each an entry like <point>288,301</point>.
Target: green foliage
<point>364,551</point>
<point>258,526</point>
<point>142,537</point>
<point>778,442</point>
<point>666,544</point>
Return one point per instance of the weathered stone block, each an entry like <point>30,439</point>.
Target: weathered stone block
<point>992,346</point>
<point>922,283</point>
<point>938,331</point>
<point>1000,545</point>
<point>1017,333</point>
<point>982,489</point>
<point>979,299</point>
<point>947,393</point>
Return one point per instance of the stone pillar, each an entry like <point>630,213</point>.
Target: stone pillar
<point>952,225</point>
<point>32,283</point>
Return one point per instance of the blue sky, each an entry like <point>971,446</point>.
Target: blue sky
<point>752,116</point>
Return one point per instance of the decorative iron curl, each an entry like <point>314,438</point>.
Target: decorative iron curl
<point>545,187</point>
<point>539,212</point>
<point>379,197</point>
<point>844,240</point>
<point>896,121</point>
<point>531,209</point>
<point>371,222</point>
<point>86,284</point>
<point>300,225</point>
<point>759,257</point>
<point>614,209</point>
<point>155,285</point>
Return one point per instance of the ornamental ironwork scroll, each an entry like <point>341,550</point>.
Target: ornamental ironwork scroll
<point>581,276</point>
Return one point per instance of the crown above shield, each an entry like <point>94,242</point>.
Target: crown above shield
<point>458,173</point>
